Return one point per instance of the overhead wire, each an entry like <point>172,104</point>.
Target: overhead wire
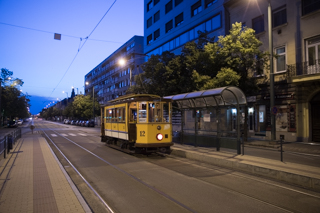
<point>44,31</point>
<point>82,46</point>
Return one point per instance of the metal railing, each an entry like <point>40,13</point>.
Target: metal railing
<point>8,141</point>
<point>304,68</point>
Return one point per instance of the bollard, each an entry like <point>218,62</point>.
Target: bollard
<point>281,150</point>
<point>5,147</point>
<point>242,141</point>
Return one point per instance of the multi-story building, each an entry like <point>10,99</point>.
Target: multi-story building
<point>109,79</point>
<point>169,24</point>
<point>296,43</point>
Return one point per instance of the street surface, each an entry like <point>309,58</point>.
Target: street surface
<point>156,183</point>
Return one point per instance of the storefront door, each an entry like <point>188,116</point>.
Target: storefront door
<point>315,118</point>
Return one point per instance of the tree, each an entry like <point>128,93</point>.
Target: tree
<point>239,51</point>
<point>13,102</point>
<point>82,107</point>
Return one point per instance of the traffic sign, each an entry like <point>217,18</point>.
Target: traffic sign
<point>274,110</point>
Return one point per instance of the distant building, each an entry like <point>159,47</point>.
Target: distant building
<point>169,24</point>
<point>110,79</point>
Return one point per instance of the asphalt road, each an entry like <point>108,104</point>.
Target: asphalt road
<point>156,183</point>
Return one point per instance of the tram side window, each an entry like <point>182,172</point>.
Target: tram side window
<point>133,115</point>
<point>109,115</point>
<point>114,115</point>
<point>166,113</point>
<point>121,115</point>
<point>143,112</point>
<point>155,112</point>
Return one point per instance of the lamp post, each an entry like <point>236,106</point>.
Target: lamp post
<point>67,95</point>
<point>273,123</point>
<point>87,83</point>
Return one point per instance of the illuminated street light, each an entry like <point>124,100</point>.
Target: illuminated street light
<point>273,123</point>
<point>87,83</point>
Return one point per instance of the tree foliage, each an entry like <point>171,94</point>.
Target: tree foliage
<point>205,64</point>
<point>13,102</point>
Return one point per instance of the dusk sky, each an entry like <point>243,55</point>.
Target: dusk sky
<point>46,65</point>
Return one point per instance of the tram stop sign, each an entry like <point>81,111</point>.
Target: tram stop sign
<point>274,110</point>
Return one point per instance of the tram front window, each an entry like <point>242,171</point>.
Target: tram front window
<point>157,113</point>
<point>143,112</point>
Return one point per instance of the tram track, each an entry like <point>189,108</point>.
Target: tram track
<point>115,167</point>
<point>157,190</point>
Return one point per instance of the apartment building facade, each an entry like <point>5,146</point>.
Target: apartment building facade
<point>169,24</point>
<point>110,79</point>
<point>296,44</point>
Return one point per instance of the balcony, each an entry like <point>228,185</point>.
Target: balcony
<point>305,71</point>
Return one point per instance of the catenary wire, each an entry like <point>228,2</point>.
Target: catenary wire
<point>81,47</point>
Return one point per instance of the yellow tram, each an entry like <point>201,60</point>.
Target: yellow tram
<point>137,123</point>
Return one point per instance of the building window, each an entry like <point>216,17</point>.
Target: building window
<point>208,3</point>
<point>156,34</point>
<point>149,39</point>
<point>149,22</point>
<point>168,7</point>
<point>169,26</point>
<point>149,6</point>
<point>178,19</point>
<point>313,55</point>
<point>196,8</point>
<point>309,6</point>
<point>258,24</point>
<point>156,16</point>
<point>281,59</point>
<point>156,2</point>
<point>279,17</point>
<point>177,2</point>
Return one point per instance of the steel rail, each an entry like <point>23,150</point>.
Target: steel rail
<point>88,184</point>
<point>126,173</point>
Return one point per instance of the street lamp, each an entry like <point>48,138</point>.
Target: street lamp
<point>67,95</point>
<point>87,83</point>
<point>273,123</point>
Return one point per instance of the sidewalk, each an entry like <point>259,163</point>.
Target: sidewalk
<point>300,175</point>
<point>37,182</point>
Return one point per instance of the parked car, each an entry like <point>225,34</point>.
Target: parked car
<point>83,123</point>
<point>65,121</point>
<point>73,122</point>
<point>89,123</point>
<point>12,124</point>
<point>19,122</point>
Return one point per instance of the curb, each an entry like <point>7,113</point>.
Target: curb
<point>311,183</point>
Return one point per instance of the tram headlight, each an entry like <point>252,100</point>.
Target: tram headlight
<point>159,137</point>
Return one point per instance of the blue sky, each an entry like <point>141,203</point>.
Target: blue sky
<point>44,64</point>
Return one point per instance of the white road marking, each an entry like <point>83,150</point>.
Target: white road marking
<point>72,134</point>
<point>64,135</point>
<point>82,134</point>
<point>54,135</point>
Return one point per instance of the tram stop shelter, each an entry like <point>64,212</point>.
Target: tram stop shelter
<point>212,118</point>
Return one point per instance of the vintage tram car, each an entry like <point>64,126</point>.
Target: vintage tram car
<point>137,123</point>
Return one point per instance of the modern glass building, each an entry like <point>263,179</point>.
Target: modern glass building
<point>169,24</point>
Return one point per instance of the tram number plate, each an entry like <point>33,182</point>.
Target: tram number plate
<point>142,133</point>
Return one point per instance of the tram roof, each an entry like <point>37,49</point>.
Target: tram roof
<point>135,97</point>
<point>223,96</point>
